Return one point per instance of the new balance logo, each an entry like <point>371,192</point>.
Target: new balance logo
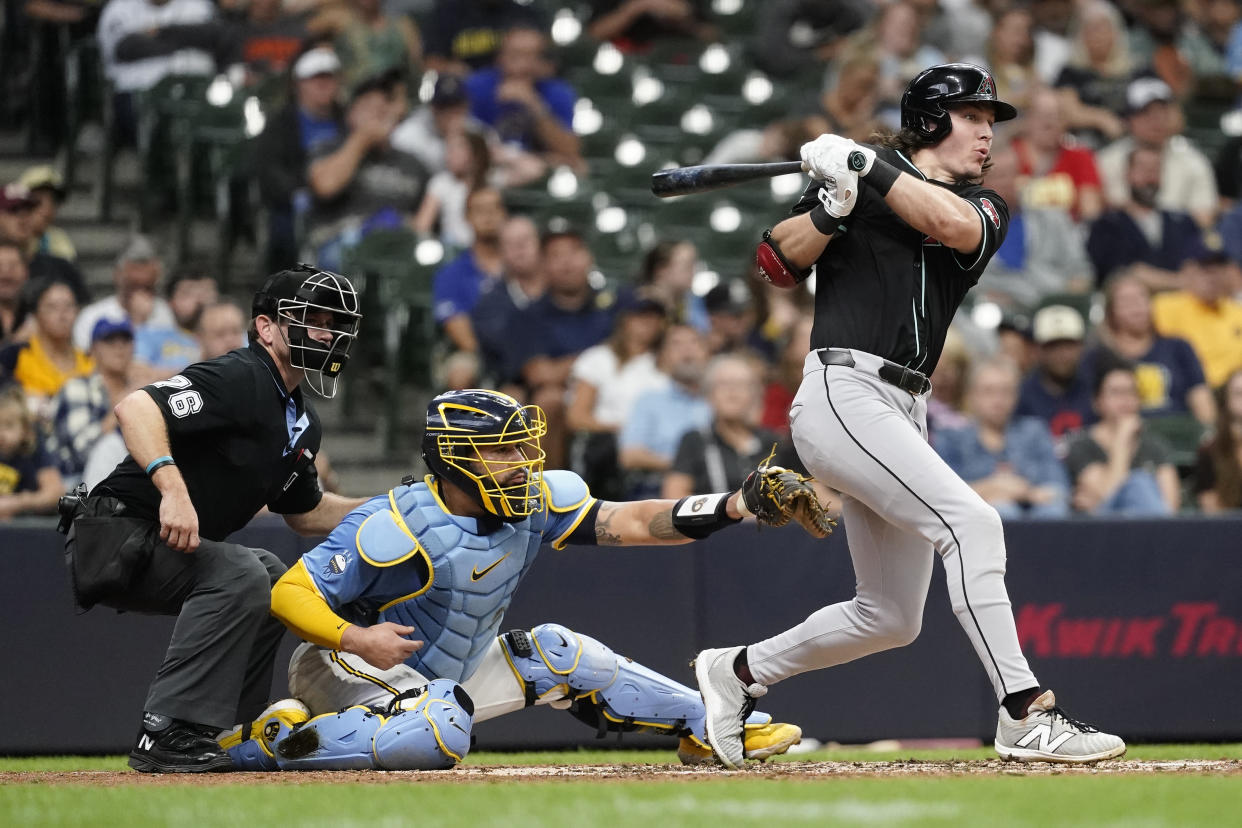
<point>146,742</point>
<point>1042,732</point>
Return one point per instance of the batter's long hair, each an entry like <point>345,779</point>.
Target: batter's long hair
<point>908,142</point>
<point>1223,450</point>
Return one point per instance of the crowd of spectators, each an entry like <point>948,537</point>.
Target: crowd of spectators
<point>1118,290</point>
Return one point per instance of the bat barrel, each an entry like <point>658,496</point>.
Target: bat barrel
<point>683,180</point>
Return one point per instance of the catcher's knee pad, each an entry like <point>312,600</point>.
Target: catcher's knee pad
<point>428,729</point>
<point>554,661</point>
<point>333,741</point>
<point>424,729</point>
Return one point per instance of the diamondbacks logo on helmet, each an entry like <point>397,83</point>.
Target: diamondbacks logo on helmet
<point>990,211</point>
<point>987,88</point>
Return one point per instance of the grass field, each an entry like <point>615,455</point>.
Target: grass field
<point>1156,785</point>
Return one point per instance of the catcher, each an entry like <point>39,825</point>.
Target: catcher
<point>400,608</point>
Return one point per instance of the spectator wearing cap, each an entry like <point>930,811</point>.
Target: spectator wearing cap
<point>605,381</point>
<point>1169,375</point>
<point>425,132</point>
<point>523,101</point>
<point>166,350</point>
<point>456,285</point>
<point>313,119</point>
<point>1010,461</point>
<point>81,412</point>
<point>1015,342</point>
<point>360,181</point>
<point>1058,390</point>
<point>17,224</point>
<point>1187,183</point>
<point>464,35</point>
<point>13,276</point>
<point>143,41</point>
<point>1116,466</point>
<point>136,277</point>
<point>47,190</point>
<point>48,357</point>
<point>1155,241</point>
<point>733,320</point>
<point>1205,314</point>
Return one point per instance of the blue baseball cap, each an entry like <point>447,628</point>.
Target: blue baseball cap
<point>106,327</point>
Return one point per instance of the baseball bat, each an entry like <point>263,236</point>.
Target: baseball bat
<point>683,180</point>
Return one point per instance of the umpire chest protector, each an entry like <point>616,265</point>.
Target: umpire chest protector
<point>458,604</point>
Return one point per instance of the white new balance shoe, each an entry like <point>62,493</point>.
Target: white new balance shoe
<point>1047,734</point>
<point>726,701</point>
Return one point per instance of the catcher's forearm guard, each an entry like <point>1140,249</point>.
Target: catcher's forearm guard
<point>697,516</point>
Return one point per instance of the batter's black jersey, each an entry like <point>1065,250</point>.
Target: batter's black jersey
<point>885,288</point>
<point>240,441</point>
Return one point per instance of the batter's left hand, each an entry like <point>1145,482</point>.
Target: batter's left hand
<point>826,156</point>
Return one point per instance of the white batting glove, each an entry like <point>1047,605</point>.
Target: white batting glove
<point>839,193</point>
<point>826,155</point>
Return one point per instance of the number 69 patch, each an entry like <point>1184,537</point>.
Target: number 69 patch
<point>185,403</point>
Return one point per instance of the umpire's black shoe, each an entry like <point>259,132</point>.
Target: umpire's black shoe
<point>168,745</point>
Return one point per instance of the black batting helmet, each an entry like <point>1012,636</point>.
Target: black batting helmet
<point>923,106</point>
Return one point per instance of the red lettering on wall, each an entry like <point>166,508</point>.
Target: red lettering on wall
<point>1218,635</point>
<point>1189,615</point>
<point>1035,627</point>
<point>1140,637</point>
<point>1078,638</point>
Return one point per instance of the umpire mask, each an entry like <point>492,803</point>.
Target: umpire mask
<point>321,318</point>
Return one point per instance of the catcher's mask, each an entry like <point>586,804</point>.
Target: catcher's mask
<point>309,299</point>
<point>925,104</point>
<point>488,444</point>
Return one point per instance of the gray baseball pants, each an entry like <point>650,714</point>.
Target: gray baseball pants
<point>868,439</point>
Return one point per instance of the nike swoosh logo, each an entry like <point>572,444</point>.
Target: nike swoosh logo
<point>475,574</point>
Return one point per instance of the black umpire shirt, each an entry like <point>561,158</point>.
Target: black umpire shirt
<point>240,441</point>
<point>885,288</point>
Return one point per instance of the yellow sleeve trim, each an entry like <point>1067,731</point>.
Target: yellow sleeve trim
<point>589,501</point>
<point>298,604</point>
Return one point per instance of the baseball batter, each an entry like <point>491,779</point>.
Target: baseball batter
<point>898,232</point>
<point>439,559</point>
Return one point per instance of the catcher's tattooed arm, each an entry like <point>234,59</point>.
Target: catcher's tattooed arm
<point>645,522</point>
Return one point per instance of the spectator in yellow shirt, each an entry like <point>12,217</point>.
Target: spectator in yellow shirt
<point>1205,315</point>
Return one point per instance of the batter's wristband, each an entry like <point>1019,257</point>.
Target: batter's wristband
<point>882,176</point>
<point>159,463</point>
<point>823,222</point>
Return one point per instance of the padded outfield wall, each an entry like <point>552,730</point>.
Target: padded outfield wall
<point>1137,625</point>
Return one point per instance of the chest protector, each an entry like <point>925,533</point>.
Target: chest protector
<point>472,580</point>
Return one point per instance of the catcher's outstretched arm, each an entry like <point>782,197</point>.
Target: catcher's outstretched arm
<point>656,522</point>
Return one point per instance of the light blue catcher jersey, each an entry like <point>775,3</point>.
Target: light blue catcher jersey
<point>402,557</point>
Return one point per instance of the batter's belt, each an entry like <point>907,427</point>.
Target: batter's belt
<point>906,379</point>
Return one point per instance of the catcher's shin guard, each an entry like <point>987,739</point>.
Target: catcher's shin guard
<point>250,746</point>
<point>425,729</point>
<point>607,691</point>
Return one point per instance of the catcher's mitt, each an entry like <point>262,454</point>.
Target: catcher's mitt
<point>774,495</point>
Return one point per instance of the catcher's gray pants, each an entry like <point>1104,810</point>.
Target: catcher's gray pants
<point>218,667</point>
<point>868,439</point>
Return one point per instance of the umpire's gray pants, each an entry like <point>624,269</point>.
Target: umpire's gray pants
<point>218,667</point>
<point>868,439</point>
